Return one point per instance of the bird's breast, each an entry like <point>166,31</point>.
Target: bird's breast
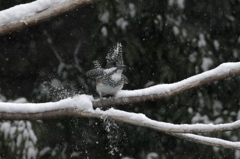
<point>116,77</point>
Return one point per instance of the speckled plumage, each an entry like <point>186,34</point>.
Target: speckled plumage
<point>110,80</point>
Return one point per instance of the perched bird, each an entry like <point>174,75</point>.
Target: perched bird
<point>110,83</point>
<point>115,58</point>
<point>110,80</point>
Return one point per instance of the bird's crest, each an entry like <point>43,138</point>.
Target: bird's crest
<point>114,56</point>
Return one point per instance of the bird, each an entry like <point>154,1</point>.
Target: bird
<point>111,83</point>
<point>109,80</point>
<point>115,57</point>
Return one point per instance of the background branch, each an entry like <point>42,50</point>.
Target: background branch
<point>43,15</point>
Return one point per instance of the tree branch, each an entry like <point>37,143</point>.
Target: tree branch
<point>120,116</point>
<point>160,91</point>
<point>138,120</point>
<point>82,106</point>
<point>36,16</point>
<point>208,140</point>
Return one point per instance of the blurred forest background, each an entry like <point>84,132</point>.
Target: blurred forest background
<point>163,42</point>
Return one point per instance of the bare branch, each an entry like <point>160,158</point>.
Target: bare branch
<point>77,65</point>
<point>43,15</point>
<point>221,72</point>
<point>54,49</point>
<point>77,61</point>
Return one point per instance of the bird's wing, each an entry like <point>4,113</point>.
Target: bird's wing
<point>125,79</point>
<point>95,73</point>
<point>97,65</point>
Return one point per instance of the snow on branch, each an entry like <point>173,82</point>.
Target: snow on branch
<point>25,15</point>
<point>223,71</point>
<point>208,140</point>
<point>81,106</point>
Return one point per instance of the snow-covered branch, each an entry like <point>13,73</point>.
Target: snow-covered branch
<point>81,106</point>
<point>25,15</point>
<point>223,71</point>
<point>208,140</point>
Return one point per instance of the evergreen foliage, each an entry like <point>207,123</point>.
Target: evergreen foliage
<point>163,42</point>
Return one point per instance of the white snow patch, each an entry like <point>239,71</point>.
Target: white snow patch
<point>19,12</point>
<point>237,154</point>
<point>132,10</point>
<point>192,57</point>
<point>2,98</point>
<point>104,17</point>
<point>201,42</point>
<point>199,118</point>
<point>75,154</point>
<point>235,53</point>
<point>152,155</point>
<point>55,83</point>
<point>216,44</point>
<point>238,115</point>
<point>19,140</point>
<point>21,125</point>
<point>149,83</point>
<point>44,151</point>
<point>179,3</point>
<point>158,19</point>
<point>229,17</point>
<point>206,63</point>
<point>176,30</point>
<point>104,31</point>
<point>218,120</point>
<point>122,23</point>
<point>238,40</point>
<point>184,32</point>
<point>21,100</point>
<point>32,136</point>
<point>217,107</point>
<point>32,153</point>
<point>5,128</point>
<point>81,102</point>
<point>13,130</point>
